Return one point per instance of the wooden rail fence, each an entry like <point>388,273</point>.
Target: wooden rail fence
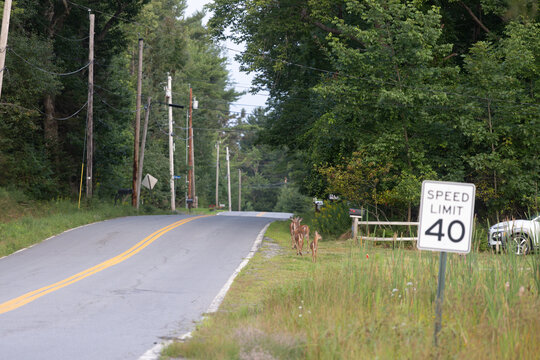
<point>357,221</point>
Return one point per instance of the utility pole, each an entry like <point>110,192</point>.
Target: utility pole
<point>217,176</point>
<point>187,155</point>
<point>229,179</point>
<point>191,163</point>
<point>90,112</point>
<point>171,144</point>
<point>239,190</point>
<point>194,106</point>
<point>135,193</point>
<point>3,40</point>
<point>141,161</point>
<point>190,148</point>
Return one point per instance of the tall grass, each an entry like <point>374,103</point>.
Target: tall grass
<point>364,302</point>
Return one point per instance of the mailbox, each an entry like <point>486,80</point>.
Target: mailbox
<point>357,212</point>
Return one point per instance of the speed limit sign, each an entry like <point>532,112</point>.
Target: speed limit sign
<point>446,216</point>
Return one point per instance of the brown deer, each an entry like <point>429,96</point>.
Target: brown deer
<point>314,246</point>
<point>293,226</point>
<point>301,234</point>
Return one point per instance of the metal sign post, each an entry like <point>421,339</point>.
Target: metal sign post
<point>445,225</point>
<point>440,296</point>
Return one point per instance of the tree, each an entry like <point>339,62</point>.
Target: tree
<point>500,118</point>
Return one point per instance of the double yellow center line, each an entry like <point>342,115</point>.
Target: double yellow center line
<point>33,295</point>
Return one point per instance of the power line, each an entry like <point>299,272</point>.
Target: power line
<point>223,129</point>
<point>67,117</point>
<point>224,101</point>
<point>47,71</point>
<point>114,108</point>
<point>68,39</point>
<point>109,91</point>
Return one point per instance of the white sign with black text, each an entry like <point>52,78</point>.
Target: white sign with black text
<point>446,216</point>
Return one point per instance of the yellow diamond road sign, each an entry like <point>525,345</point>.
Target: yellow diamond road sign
<point>149,181</point>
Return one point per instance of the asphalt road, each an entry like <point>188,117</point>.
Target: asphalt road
<point>113,289</point>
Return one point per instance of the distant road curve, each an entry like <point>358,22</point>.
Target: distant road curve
<point>271,215</point>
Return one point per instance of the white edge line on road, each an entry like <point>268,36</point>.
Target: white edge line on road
<point>154,352</point>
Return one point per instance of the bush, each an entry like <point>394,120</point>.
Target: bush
<point>290,200</point>
<point>333,219</point>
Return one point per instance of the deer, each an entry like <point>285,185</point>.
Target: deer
<point>302,233</point>
<point>293,226</point>
<point>314,246</point>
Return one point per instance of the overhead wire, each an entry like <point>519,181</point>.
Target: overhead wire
<point>68,39</point>
<point>215,129</point>
<point>107,90</point>
<point>112,107</point>
<point>67,117</point>
<point>48,71</point>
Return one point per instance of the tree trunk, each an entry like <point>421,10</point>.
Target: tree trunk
<point>50,125</point>
<point>490,123</point>
<point>407,148</point>
<point>50,130</point>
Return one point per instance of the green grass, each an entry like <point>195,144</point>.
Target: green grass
<point>24,222</point>
<point>364,302</point>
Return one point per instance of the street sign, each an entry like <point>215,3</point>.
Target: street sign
<point>149,181</point>
<point>446,216</point>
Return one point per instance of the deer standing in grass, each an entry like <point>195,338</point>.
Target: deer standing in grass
<point>293,226</point>
<point>314,246</point>
<point>301,234</point>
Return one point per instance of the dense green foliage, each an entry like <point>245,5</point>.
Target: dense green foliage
<point>379,95</point>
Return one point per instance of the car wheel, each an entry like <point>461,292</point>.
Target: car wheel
<point>520,244</point>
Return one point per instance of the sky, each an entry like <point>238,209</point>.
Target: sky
<point>241,80</point>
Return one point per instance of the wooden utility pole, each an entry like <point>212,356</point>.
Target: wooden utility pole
<point>134,194</point>
<point>191,192</point>
<point>3,40</point>
<point>90,112</point>
<point>141,161</point>
<point>239,190</point>
<point>229,179</point>
<point>171,143</point>
<point>194,184</point>
<point>217,176</point>
<point>186,180</point>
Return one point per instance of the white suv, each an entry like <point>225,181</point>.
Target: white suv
<point>521,236</point>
